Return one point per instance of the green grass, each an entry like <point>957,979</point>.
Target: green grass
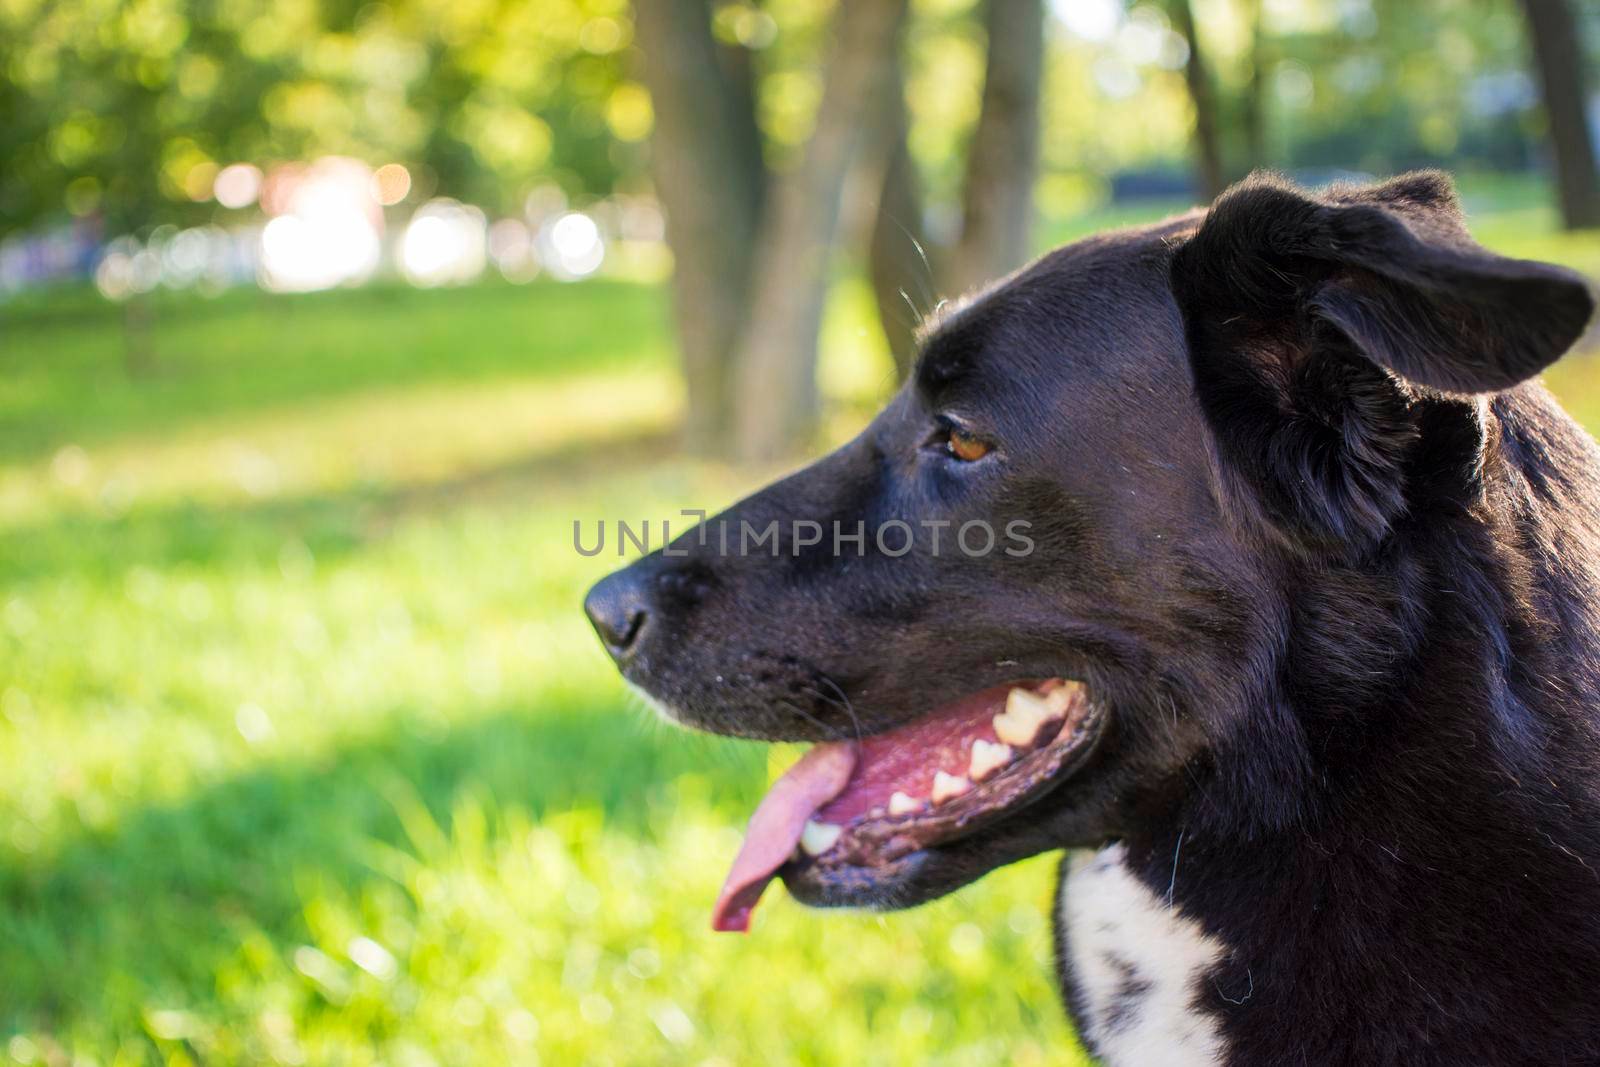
<point>245,351</point>
<point>307,756</point>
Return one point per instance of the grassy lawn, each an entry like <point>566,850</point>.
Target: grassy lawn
<point>307,756</point>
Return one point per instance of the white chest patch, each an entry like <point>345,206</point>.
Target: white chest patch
<point>1138,965</point>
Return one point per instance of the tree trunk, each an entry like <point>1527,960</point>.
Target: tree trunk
<point>777,355</point>
<point>138,350</point>
<point>708,172</point>
<point>1558,55</point>
<point>1253,114</point>
<point>903,279</point>
<point>1003,158</point>
<point>1207,130</point>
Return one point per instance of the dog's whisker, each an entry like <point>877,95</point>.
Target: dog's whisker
<point>831,731</point>
<point>849,708</point>
<point>916,316</point>
<point>843,703</point>
<point>927,267</point>
<point>1173,884</point>
<point>928,282</point>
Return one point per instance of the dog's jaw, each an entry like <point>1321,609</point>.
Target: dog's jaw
<point>853,822</point>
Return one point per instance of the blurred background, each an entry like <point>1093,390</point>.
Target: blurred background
<point>322,321</point>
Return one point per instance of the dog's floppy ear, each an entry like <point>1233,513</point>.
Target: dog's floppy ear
<point>1391,268</point>
<point>1319,323</point>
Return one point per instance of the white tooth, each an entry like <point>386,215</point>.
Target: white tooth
<point>948,787</point>
<point>1059,699</point>
<point>818,837</point>
<point>900,804</point>
<point>1026,711</point>
<point>1013,731</point>
<point>1020,722</point>
<point>1028,704</point>
<point>987,758</point>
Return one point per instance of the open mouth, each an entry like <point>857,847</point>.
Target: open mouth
<point>863,806</point>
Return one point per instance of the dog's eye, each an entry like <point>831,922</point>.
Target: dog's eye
<point>964,446</point>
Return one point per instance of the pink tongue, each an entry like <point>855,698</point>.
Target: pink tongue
<point>776,826</point>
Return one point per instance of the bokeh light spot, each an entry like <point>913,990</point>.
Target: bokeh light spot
<point>572,246</point>
<point>390,184</point>
<point>237,185</point>
<point>444,244</point>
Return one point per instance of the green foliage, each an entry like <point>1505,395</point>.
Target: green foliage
<point>127,107</point>
<point>124,108</point>
<point>1380,85</point>
<point>1370,95</point>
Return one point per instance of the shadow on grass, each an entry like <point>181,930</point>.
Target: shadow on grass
<point>107,924</point>
<point>329,524</point>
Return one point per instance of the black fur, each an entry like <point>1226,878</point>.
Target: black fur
<point>1328,559</point>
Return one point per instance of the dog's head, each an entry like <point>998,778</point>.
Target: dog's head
<point>1132,501</point>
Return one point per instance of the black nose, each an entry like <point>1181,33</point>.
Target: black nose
<point>619,608</point>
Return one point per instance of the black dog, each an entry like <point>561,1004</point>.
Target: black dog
<point>1241,549</point>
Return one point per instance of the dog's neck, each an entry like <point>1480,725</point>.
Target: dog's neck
<point>1440,884</point>
<point>1440,855</point>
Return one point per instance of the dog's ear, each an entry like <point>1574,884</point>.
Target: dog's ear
<point>1319,323</point>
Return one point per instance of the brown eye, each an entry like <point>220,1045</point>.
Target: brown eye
<point>965,447</point>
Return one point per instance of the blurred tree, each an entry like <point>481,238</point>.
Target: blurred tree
<point>1253,102</point>
<point>138,346</point>
<point>1003,158</point>
<point>902,277</point>
<point>752,247</point>
<point>776,358</point>
<point>908,270</point>
<point>709,176</point>
<point>1210,173</point>
<point>1557,48</point>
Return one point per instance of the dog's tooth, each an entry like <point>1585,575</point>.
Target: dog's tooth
<point>949,786</point>
<point>819,837</point>
<point>1014,731</point>
<point>1028,705</point>
<point>1057,700</point>
<point>901,804</point>
<point>987,758</point>
<point>1025,712</point>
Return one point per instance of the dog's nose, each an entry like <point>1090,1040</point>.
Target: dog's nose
<point>619,608</point>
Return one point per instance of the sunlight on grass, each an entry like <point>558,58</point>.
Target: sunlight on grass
<point>62,363</point>
<point>504,936</point>
<point>221,776</point>
<point>388,438</point>
<point>310,757</point>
